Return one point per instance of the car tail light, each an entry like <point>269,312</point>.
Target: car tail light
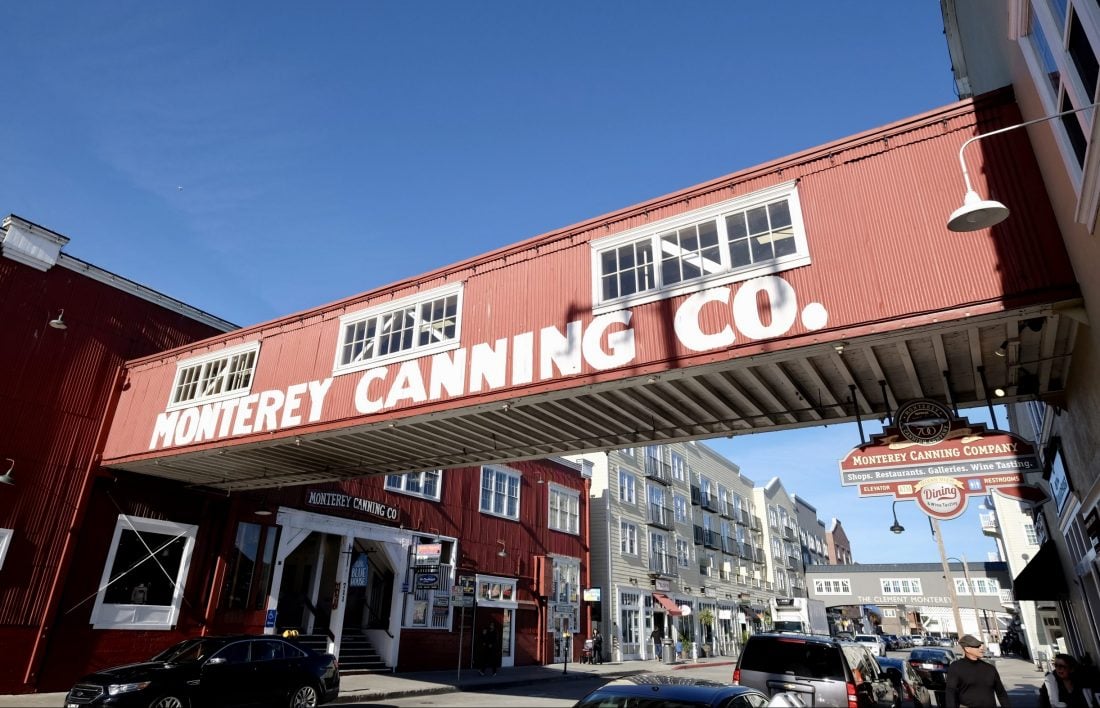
<point>737,676</point>
<point>853,698</point>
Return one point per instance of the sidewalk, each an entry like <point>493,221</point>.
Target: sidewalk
<point>377,687</point>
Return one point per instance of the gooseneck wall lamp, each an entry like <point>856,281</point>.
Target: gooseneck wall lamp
<point>6,478</point>
<point>896,528</point>
<point>977,213</point>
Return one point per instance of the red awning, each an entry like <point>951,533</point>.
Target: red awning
<point>669,605</point>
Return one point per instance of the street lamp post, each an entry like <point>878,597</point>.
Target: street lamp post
<point>935,524</point>
<point>973,595</point>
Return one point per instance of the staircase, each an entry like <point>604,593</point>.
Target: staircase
<point>357,654</point>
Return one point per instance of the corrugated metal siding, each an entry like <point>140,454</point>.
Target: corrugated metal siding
<point>875,208</point>
<point>52,398</point>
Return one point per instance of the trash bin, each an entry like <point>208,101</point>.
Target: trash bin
<point>669,650</point>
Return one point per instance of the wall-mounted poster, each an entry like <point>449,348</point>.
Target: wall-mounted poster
<point>420,612</point>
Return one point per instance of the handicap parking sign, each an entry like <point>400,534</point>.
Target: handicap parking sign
<point>269,623</point>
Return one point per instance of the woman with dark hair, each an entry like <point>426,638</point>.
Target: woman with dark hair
<point>1064,687</point>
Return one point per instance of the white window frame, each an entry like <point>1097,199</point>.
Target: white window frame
<point>205,361</point>
<point>403,488</point>
<point>572,514</point>
<point>680,508</point>
<point>901,586</point>
<point>5,543</point>
<point>416,350</point>
<point>683,553</point>
<point>679,466</point>
<point>143,617</point>
<point>1085,178</point>
<point>628,538</point>
<point>832,586</point>
<point>725,274</point>
<point>624,477</point>
<point>513,474</point>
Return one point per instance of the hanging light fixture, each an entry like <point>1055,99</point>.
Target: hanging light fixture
<point>977,213</point>
<point>501,553</point>
<point>58,322</point>
<point>896,527</point>
<point>6,478</point>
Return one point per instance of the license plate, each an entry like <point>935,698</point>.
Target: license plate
<point>929,666</point>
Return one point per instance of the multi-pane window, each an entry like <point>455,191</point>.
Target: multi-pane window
<point>500,492</point>
<point>981,586</point>
<point>724,242</point>
<point>1063,37</point>
<point>421,484</point>
<point>415,325</point>
<point>679,467</point>
<point>839,586</point>
<point>901,586</point>
<point>1032,537</point>
<point>628,538</point>
<point>683,553</point>
<point>627,488</point>
<point>249,567</point>
<point>564,509</point>
<point>227,374</point>
<point>680,508</point>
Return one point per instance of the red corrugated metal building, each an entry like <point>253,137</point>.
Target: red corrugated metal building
<point>720,309</point>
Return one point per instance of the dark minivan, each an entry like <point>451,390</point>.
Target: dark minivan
<point>821,670</point>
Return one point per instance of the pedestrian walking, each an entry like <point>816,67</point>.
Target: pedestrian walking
<point>973,682</point>
<point>488,647</point>
<point>597,647</point>
<point>656,636</point>
<point>1065,686</point>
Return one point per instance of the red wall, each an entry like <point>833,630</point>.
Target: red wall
<point>54,393</point>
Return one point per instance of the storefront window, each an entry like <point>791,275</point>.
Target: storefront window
<point>248,568</point>
<point>142,582</point>
<point>430,576</point>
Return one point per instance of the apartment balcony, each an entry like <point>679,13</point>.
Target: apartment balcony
<point>725,575</point>
<point>758,555</point>
<point>990,527</point>
<point>745,551</point>
<point>789,533</point>
<point>792,562</point>
<point>660,516</point>
<point>709,502</point>
<point>658,470</point>
<point>663,564</point>
<point>797,592</point>
<point>699,536</point>
<point>756,525</point>
<point>696,496</point>
<point>1008,599</point>
<point>712,539</point>
<point>729,545</point>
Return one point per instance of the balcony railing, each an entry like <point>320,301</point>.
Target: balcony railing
<point>696,496</point>
<point>756,525</point>
<point>990,527</point>
<point>709,502</point>
<point>758,555</point>
<point>698,535</point>
<point>792,562</point>
<point>663,564</point>
<point>660,515</point>
<point>712,539</point>
<point>743,517</point>
<point>746,551</point>
<point>658,470</point>
<point>729,545</point>
<point>788,533</point>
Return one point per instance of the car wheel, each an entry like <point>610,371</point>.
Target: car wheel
<point>305,696</point>
<point>168,702</point>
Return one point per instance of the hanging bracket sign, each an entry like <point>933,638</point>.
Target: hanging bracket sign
<point>938,460</point>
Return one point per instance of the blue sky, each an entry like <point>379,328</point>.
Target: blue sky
<point>257,159</point>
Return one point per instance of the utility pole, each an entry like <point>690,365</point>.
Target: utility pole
<point>935,523</point>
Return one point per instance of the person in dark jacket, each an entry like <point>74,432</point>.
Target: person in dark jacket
<point>1065,686</point>
<point>972,682</point>
<point>597,647</point>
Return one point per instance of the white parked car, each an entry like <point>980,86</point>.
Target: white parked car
<point>872,642</point>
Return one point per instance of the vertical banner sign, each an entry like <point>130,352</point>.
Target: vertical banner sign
<point>931,457</point>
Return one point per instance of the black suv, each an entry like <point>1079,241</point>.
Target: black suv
<point>821,670</point>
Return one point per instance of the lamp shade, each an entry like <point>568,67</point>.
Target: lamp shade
<point>977,213</point>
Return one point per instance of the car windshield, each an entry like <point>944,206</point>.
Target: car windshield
<point>930,654</point>
<point>186,651</point>
<point>866,638</point>
<point>801,658</point>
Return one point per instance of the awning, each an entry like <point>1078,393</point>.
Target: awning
<point>1043,577</point>
<point>669,605</point>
